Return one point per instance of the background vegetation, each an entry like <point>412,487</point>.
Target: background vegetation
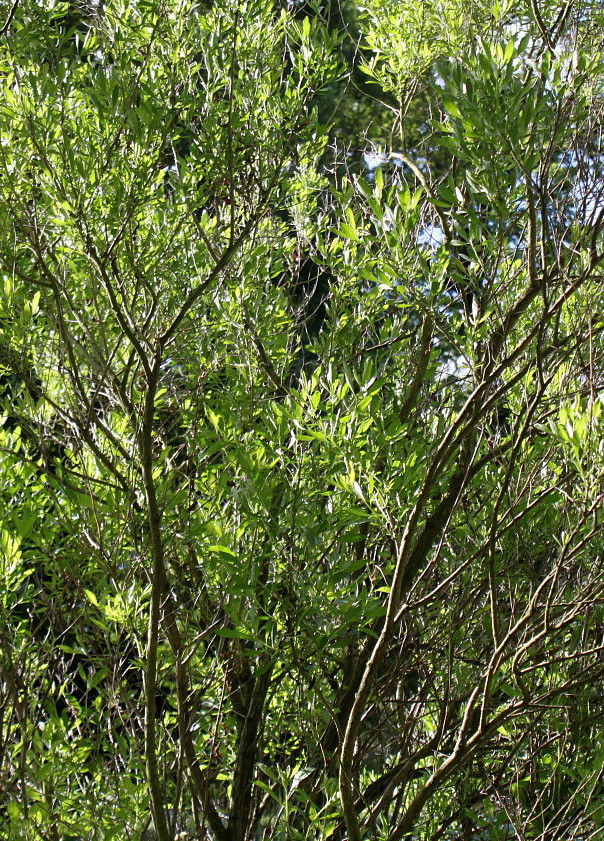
<point>301,456</point>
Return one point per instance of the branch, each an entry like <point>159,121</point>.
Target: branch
<point>10,17</point>
<point>265,361</point>
<point>423,358</point>
<point>157,588</point>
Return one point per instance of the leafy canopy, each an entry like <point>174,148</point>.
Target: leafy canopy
<point>300,453</point>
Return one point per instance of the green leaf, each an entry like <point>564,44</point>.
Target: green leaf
<point>347,232</point>
<point>234,633</point>
<point>91,597</point>
<point>222,550</point>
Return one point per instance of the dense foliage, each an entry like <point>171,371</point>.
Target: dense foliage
<point>301,459</point>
